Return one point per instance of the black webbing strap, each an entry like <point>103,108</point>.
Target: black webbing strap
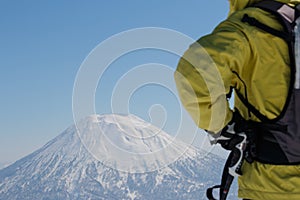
<point>209,192</point>
<point>252,109</point>
<point>226,181</point>
<point>254,22</point>
<point>269,4</point>
<point>272,7</point>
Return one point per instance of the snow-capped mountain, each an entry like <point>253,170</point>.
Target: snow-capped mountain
<point>112,157</point>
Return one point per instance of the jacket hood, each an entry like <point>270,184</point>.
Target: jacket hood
<point>236,5</point>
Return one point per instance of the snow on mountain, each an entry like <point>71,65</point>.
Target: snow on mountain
<point>112,157</point>
<point>128,143</point>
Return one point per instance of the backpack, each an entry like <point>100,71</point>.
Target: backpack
<point>278,140</point>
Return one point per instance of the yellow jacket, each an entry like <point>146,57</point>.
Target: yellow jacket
<point>257,65</point>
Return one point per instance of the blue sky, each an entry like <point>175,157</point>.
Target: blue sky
<point>43,44</point>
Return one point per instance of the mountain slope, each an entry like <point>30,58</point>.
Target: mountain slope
<point>111,157</point>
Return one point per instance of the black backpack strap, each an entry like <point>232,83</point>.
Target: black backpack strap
<point>284,13</point>
<point>209,192</point>
<point>251,108</point>
<point>254,22</point>
<point>285,16</point>
<point>226,181</point>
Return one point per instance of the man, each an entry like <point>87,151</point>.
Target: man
<point>257,65</point>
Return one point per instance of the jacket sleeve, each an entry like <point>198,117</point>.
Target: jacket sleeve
<point>207,71</point>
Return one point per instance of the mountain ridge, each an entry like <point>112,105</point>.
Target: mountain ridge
<point>64,168</point>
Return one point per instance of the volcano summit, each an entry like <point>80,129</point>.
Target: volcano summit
<point>111,157</point>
